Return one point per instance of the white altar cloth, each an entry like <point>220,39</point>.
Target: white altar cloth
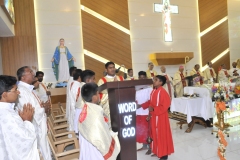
<point>193,107</point>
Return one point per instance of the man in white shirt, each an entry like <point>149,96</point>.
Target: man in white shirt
<point>17,134</point>
<point>70,80</point>
<point>169,82</point>
<point>26,78</point>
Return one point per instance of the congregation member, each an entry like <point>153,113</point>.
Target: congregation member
<point>26,77</point>
<point>169,82</point>
<point>150,72</point>
<point>17,134</point>
<point>42,90</point>
<point>70,80</point>
<point>110,77</point>
<point>209,74</point>
<point>162,144</point>
<point>223,74</point>
<point>130,75</point>
<point>179,82</point>
<point>75,100</point>
<point>234,72</point>
<point>197,74</point>
<point>142,126</point>
<point>92,121</point>
<point>88,76</point>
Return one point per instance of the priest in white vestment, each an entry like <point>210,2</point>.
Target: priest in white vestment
<point>92,122</point>
<point>150,72</point>
<point>169,82</point>
<point>75,99</point>
<point>130,75</point>
<point>209,74</point>
<point>110,77</point>
<point>70,80</point>
<point>26,78</point>
<point>197,74</point>
<point>179,82</point>
<point>18,138</point>
<point>234,72</point>
<point>223,74</point>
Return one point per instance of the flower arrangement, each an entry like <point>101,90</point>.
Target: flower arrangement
<point>237,89</point>
<point>223,92</point>
<point>222,143</point>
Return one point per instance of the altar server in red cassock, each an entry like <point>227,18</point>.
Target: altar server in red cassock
<point>159,103</point>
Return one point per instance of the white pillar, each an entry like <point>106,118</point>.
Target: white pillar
<point>234,29</point>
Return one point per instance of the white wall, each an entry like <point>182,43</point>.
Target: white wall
<point>147,32</point>
<point>57,19</point>
<point>234,29</point>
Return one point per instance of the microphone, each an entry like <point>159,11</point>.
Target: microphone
<point>117,70</point>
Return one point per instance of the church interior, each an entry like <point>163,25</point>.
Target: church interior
<point>191,47</point>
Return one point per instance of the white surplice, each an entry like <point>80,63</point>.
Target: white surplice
<point>18,139</point>
<point>39,119</point>
<point>75,99</point>
<point>70,80</point>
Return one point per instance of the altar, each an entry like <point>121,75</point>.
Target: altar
<point>193,108</point>
<point>201,106</point>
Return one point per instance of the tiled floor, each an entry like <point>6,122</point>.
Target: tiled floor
<point>200,144</point>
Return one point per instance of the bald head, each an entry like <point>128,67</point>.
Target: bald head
<point>150,66</point>
<point>163,69</point>
<point>234,64</point>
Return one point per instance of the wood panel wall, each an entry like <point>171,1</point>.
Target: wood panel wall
<point>104,39</point>
<point>115,10</point>
<point>217,40</point>
<point>20,50</point>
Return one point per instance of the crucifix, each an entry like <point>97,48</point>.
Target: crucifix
<point>166,9</point>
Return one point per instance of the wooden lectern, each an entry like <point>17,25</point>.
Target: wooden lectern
<point>122,106</point>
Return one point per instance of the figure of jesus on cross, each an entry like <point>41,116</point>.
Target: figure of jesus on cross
<point>166,9</point>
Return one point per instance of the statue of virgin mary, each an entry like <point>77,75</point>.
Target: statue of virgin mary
<point>61,62</point>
